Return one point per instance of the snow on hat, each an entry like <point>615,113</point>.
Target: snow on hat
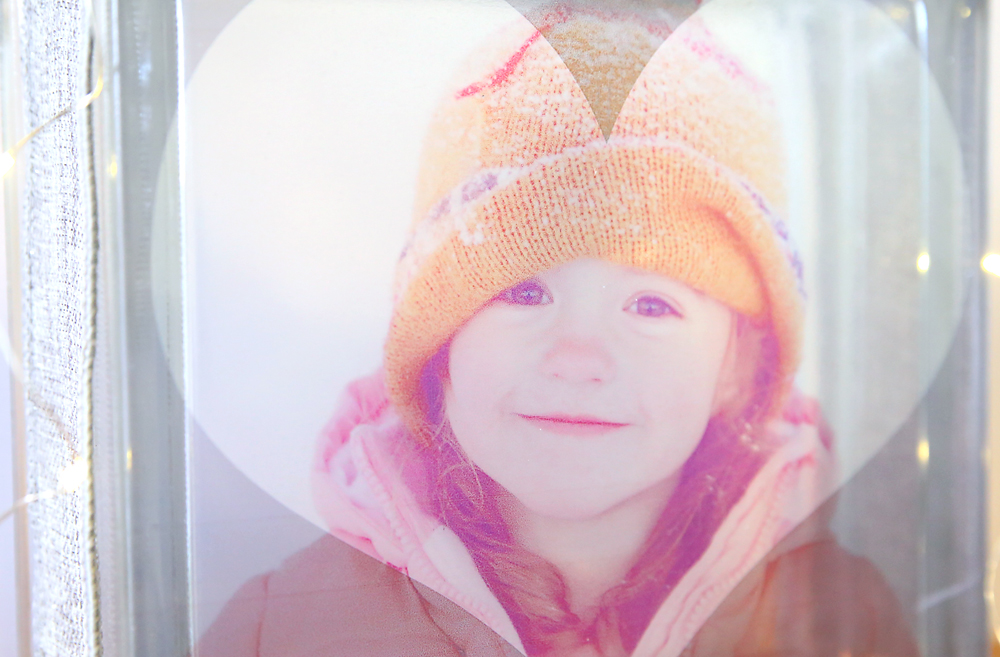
<point>540,156</point>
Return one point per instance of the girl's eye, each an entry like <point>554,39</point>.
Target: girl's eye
<point>652,306</point>
<point>527,293</point>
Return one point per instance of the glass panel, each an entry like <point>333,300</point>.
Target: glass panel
<point>674,311</point>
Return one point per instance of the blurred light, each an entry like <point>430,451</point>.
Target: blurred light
<point>964,12</point>
<point>73,475</point>
<point>128,460</point>
<point>923,262</point>
<point>6,163</point>
<point>113,167</point>
<point>991,263</point>
<point>899,13</point>
<point>923,452</point>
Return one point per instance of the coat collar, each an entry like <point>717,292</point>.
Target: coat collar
<point>368,476</point>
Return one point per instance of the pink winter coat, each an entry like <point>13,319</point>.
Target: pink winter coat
<point>397,582</point>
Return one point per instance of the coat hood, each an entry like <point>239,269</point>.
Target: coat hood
<point>369,475</point>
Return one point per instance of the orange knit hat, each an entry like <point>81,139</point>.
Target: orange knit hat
<point>536,159</point>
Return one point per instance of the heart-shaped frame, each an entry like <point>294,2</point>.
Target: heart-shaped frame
<point>303,127</point>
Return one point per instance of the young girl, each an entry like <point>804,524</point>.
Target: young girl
<point>584,440</point>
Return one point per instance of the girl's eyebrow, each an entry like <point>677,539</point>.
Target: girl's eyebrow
<point>654,280</point>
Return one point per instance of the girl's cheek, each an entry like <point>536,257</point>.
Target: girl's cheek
<point>676,359</point>
<point>483,359</point>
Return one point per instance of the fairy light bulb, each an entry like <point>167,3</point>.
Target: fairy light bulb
<point>923,262</point>
<point>991,263</point>
<point>73,475</point>
<point>6,163</point>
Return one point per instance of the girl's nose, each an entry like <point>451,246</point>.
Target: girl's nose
<point>579,360</point>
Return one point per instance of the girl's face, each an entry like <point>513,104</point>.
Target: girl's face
<point>588,386</point>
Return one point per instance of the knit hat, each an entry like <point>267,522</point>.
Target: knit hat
<point>540,156</point>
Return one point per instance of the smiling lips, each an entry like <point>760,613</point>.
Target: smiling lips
<point>573,425</point>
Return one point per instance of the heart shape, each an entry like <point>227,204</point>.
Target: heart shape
<point>291,245</point>
<point>606,83</point>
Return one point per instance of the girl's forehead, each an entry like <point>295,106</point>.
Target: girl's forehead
<point>596,269</point>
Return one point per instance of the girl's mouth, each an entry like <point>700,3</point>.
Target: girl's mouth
<point>573,425</point>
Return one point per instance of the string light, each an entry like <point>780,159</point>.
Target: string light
<point>6,163</point>
<point>990,588</point>
<point>74,475</point>
<point>79,471</point>
<point>69,480</point>
<point>923,262</point>
<point>991,263</point>
<point>8,157</point>
<point>923,452</point>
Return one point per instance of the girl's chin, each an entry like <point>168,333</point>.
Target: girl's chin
<point>581,507</point>
<point>581,501</point>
